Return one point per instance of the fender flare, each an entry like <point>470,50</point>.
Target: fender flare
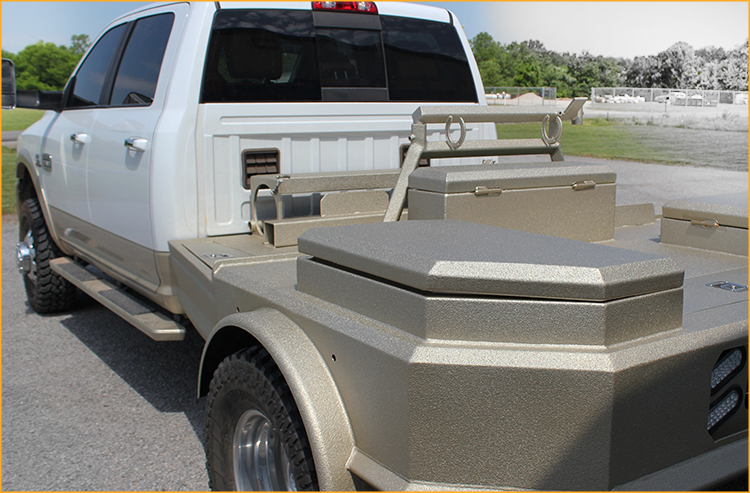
<point>311,383</point>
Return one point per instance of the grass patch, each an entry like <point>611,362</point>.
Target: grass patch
<point>725,122</point>
<point>9,180</point>
<point>20,118</point>
<point>602,138</point>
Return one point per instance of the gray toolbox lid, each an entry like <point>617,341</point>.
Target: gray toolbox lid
<point>727,210</point>
<point>467,258</point>
<point>458,179</point>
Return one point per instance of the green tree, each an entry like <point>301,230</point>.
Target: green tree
<point>10,56</point>
<point>530,64</point>
<point>44,66</point>
<point>528,74</point>
<point>489,55</point>
<point>79,43</point>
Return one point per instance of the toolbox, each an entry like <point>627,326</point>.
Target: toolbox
<point>566,199</point>
<point>717,223</point>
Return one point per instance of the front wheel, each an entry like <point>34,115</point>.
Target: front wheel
<point>46,291</point>
<point>255,439</point>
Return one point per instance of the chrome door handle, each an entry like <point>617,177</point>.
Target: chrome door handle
<point>80,138</point>
<point>136,144</point>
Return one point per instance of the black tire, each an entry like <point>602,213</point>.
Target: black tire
<point>249,387</point>
<point>46,291</point>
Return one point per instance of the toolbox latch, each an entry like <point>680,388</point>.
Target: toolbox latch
<point>584,185</point>
<point>706,223</point>
<point>482,190</point>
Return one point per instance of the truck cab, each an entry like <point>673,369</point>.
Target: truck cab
<point>176,107</point>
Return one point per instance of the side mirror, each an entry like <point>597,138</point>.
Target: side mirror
<point>9,85</point>
<point>38,100</point>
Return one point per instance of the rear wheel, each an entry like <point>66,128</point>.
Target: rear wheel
<point>46,291</point>
<point>255,439</point>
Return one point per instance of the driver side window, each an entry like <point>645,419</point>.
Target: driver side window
<point>116,74</point>
<point>92,75</point>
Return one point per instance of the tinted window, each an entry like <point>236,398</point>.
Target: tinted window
<point>138,73</point>
<point>350,58</point>
<point>265,55</point>
<point>278,55</point>
<point>93,73</point>
<point>425,61</point>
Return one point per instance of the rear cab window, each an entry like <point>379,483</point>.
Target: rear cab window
<point>281,55</point>
<point>135,82</point>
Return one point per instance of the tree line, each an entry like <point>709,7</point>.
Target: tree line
<point>47,66</point>
<point>530,64</point>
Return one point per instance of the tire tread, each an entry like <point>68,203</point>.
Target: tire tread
<point>253,368</point>
<point>52,293</point>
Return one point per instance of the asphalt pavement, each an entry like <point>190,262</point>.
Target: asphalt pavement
<point>10,137</point>
<point>639,183</point>
<point>90,403</point>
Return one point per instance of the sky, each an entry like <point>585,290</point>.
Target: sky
<point>617,29</point>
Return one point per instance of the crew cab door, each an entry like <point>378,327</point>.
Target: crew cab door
<point>120,192</point>
<point>63,155</point>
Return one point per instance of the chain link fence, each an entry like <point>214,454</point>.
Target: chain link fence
<point>521,96</point>
<point>677,97</point>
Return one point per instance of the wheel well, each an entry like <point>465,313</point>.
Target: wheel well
<point>25,186</point>
<point>305,371</point>
<point>224,343</point>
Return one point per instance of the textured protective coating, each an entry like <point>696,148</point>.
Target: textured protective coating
<point>460,257</point>
<point>456,179</point>
<point>728,210</point>
<point>314,390</point>
<point>447,413</point>
<point>634,215</point>
<point>284,232</point>
<point>718,239</point>
<point>510,320</point>
<point>584,215</point>
<point>497,114</point>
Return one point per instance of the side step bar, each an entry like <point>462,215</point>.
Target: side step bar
<point>145,317</point>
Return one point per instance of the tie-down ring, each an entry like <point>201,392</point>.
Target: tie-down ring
<point>555,138</point>
<point>451,144</point>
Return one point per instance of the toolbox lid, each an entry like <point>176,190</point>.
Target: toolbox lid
<point>726,210</point>
<point>466,258</point>
<point>461,179</point>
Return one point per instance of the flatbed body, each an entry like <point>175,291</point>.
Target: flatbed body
<point>594,423</point>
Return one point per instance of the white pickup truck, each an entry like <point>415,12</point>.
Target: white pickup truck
<point>314,188</point>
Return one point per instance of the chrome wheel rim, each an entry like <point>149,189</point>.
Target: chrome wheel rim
<point>26,257</point>
<point>260,460</point>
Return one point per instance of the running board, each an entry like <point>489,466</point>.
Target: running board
<point>139,313</point>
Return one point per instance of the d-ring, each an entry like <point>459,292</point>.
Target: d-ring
<point>552,139</point>
<point>451,144</point>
